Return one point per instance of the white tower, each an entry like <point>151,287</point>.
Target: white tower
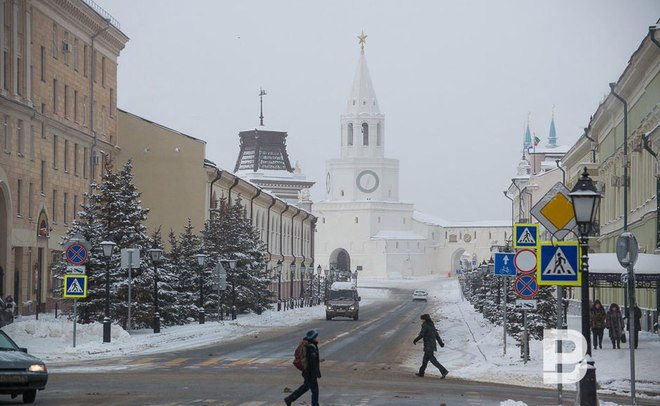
<point>362,225</point>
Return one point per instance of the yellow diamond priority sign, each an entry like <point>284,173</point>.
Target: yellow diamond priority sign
<point>555,211</point>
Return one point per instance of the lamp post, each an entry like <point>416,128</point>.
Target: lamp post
<point>201,260</point>
<point>318,275</point>
<point>232,267</point>
<point>107,246</point>
<point>155,254</point>
<point>302,282</point>
<point>355,275</point>
<point>278,269</point>
<point>585,199</point>
<point>292,270</point>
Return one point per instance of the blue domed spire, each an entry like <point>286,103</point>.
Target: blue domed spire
<point>552,135</point>
<point>527,142</point>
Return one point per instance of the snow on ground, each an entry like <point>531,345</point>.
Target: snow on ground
<point>473,346</point>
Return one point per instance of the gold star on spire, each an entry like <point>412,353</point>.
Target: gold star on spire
<point>363,40</point>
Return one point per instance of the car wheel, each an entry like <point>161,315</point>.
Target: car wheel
<point>29,396</point>
<point>328,318</point>
<point>355,317</point>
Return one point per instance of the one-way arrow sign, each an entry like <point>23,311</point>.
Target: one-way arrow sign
<point>504,264</point>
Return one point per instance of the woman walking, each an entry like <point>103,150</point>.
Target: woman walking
<point>598,319</point>
<point>615,325</point>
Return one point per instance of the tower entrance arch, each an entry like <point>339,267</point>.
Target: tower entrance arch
<point>340,260</point>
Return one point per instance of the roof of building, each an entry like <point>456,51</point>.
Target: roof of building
<point>430,219</point>
<point>263,149</point>
<point>363,97</point>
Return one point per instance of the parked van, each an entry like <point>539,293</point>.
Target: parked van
<point>343,301</point>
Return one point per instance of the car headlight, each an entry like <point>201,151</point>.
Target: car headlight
<point>330,307</point>
<point>352,308</point>
<point>38,368</point>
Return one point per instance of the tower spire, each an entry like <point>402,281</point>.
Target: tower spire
<point>363,40</point>
<point>262,93</point>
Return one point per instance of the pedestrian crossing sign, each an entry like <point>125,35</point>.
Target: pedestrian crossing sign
<point>75,286</point>
<point>558,264</point>
<point>525,235</point>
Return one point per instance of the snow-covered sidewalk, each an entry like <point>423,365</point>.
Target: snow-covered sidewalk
<point>473,347</point>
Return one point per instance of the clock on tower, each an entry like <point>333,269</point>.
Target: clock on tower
<point>367,181</point>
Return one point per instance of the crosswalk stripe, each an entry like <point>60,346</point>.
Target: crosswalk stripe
<point>176,361</point>
<point>144,360</point>
<point>243,361</point>
<point>210,361</point>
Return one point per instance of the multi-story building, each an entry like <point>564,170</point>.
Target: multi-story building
<point>58,87</point>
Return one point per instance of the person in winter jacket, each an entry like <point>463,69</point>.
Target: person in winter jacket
<point>598,319</point>
<point>429,334</point>
<point>615,325</point>
<point>311,370</point>
<point>637,312</point>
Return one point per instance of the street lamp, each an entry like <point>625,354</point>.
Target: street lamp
<point>278,269</point>
<point>155,254</point>
<point>318,274</point>
<point>232,266</point>
<point>107,246</point>
<point>585,199</point>
<point>292,270</point>
<point>201,260</point>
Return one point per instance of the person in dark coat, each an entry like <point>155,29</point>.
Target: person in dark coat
<point>615,325</point>
<point>598,319</point>
<point>637,312</point>
<point>311,370</point>
<point>429,334</point>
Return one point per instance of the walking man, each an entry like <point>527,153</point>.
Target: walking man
<point>430,335</point>
<point>310,369</point>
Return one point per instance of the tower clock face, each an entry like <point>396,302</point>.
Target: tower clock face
<point>367,181</point>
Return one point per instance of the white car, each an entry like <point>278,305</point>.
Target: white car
<point>420,294</point>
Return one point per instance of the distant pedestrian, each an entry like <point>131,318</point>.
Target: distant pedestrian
<point>430,335</point>
<point>615,325</point>
<point>598,320</point>
<point>311,370</point>
<point>637,313</point>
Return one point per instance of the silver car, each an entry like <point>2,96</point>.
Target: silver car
<point>420,294</point>
<point>20,373</point>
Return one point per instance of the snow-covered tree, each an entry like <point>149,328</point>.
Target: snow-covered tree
<point>229,235</point>
<point>168,297</point>
<point>184,265</point>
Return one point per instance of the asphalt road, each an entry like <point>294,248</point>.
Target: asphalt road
<point>361,367</point>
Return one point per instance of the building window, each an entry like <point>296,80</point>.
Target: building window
<point>7,133</point>
<point>54,201</point>
<point>20,137</point>
<point>42,181</point>
<point>75,106</point>
<point>66,101</point>
<point>32,142</point>
<point>84,111</point>
<point>55,141</point>
<point>30,199</point>
<point>65,48</point>
<point>5,62</point>
<point>19,198</point>
<point>404,220</point>
<point>112,102</point>
<point>342,193</point>
<point>85,60</point>
<point>103,71</point>
<point>76,55</point>
<point>43,64</point>
<point>349,135</point>
<point>76,149</point>
<point>365,134</point>
<point>75,207</point>
<point>65,208</point>
<point>19,76</point>
<point>85,162</point>
<point>66,156</point>
<point>54,96</point>
<point>55,44</point>
<point>379,135</point>
<point>356,220</point>
<point>378,219</point>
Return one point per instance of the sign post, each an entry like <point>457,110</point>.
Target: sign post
<point>76,253</point>
<point>130,258</point>
<point>626,252</point>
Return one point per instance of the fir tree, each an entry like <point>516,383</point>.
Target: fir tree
<point>183,263</point>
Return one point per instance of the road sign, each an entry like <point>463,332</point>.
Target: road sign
<point>219,277</point>
<point>627,249</point>
<point>526,286</point>
<point>525,235</point>
<point>525,261</point>
<point>79,269</point>
<point>130,258</point>
<point>76,253</point>
<point>558,264</point>
<point>555,211</point>
<point>75,286</point>
<point>504,264</point>
<point>526,304</point>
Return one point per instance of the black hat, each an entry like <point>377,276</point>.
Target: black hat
<point>425,317</point>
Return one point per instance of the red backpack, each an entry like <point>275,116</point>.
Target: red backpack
<point>299,355</point>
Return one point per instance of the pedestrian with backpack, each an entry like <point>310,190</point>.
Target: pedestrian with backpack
<point>430,335</point>
<point>306,359</point>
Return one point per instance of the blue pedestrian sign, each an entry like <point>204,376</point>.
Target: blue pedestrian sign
<point>504,264</point>
<point>525,235</point>
<point>75,286</point>
<point>559,264</point>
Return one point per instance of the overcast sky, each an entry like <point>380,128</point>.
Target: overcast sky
<point>456,80</point>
